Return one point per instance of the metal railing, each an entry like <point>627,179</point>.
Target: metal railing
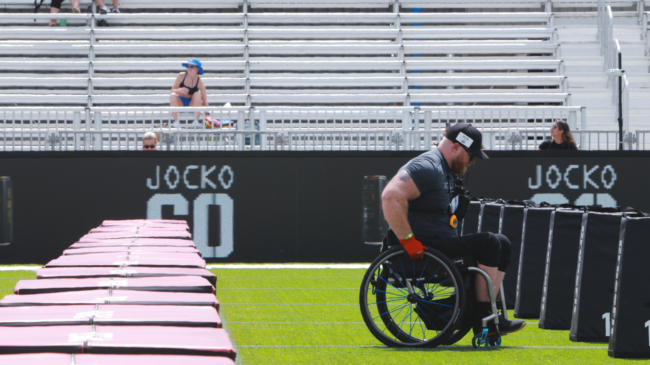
<point>284,118</point>
<point>295,140</point>
<point>625,108</point>
<point>315,128</point>
<point>620,90</point>
<point>606,37</point>
<point>641,140</point>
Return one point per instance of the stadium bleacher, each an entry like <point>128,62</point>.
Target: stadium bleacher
<point>273,57</point>
<point>327,54</point>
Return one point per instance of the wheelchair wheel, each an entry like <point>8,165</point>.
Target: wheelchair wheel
<point>464,327</point>
<point>467,322</point>
<point>412,303</point>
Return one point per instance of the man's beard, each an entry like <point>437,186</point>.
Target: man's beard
<point>458,166</point>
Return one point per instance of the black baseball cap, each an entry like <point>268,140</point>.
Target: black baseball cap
<point>468,137</point>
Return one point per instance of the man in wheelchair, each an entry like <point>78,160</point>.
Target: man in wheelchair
<point>421,202</point>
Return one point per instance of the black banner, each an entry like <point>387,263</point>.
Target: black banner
<point>271,206</point>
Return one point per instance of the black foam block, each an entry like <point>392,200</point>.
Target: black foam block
<point>511,225</point>
<point>595,277</point>
<point>532,261</point>
<point>561,266</point>
<point>490,217</point>
<point>631,311</point>
<point>470,222</point>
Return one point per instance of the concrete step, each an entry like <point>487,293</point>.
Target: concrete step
<point>582,50</point>
<point>586,67</point>
<point>638,100</point>
<point>599,81</point>
<point>585,35</point>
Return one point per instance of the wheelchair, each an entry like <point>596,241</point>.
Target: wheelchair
<point>426,302</point>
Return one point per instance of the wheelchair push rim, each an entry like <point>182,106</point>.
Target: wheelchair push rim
<point>412,303</point>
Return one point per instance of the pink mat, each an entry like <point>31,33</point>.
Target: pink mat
<point>94,359</point>
<point>117,339</point>
<point>122,315</point>
<point>131,272</point>
<point>140,234</point>
<point>139,222</point>
<point>188,284</point>
<point>158,242</point>
<point>164,228</point>
<point>126,297</point>
<point>123,261</point>
<point>131,251</point>
<point>36,359</point>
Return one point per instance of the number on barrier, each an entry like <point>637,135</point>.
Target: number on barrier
<point>647,324</point>
<point>608,323</point>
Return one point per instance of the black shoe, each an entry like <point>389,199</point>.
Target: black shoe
<point>482,310</point>
<point>506,326</point>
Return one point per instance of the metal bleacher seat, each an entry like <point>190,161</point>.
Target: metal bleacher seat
<point>319,53</point>
<point>42,66</point>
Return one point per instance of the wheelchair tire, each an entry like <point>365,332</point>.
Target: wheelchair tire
<point>412,303</point>
<point>467,322</point>
<point>464,328</point>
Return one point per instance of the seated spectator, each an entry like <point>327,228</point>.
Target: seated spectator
<point>103,9</point>
<point>55,8</point>
<point>562,138</point>
<point>189,90</point>
<point>149,141</point>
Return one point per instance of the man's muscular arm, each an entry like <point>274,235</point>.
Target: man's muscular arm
<point>395,200</point>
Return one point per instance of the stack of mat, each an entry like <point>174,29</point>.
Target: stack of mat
<point>129,292</point>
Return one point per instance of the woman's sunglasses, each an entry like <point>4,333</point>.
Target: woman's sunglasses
<point>148,146</point>
<point>190,66</point>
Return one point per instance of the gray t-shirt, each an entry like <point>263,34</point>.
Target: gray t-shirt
<point>435,181</point>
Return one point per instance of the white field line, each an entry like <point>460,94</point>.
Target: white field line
<point>446,347</point>
<point>276,289</point>
<point>19,268</point>
<point>289,266</point>
<point>235,266</point>
<point>313,323</point>
<point>301,304</point>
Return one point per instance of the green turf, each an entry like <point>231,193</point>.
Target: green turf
<point>8,280</point>
<point>300,316</point>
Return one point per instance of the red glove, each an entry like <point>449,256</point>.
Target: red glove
<point>413,247</point>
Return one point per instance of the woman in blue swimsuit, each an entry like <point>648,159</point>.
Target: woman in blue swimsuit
<point>189,89</point>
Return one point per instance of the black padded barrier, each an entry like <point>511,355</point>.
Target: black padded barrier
<point>630,314</point>
<point>471,220</point>
<point>560,272</point>
<point>512,217</point>
<point>532,261</point>
<point>490,221</point>
<point>490,217</point>
<point>595,276</point>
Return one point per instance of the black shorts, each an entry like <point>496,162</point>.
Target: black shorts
<point>487,248</point>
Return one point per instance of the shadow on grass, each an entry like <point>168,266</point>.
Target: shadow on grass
<point>443,349</point>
